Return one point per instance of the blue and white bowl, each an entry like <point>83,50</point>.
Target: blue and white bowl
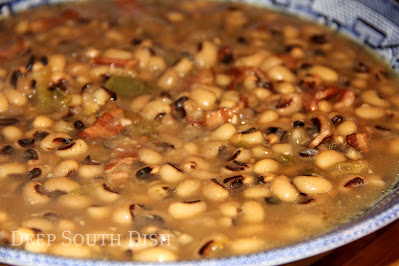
<point>374,23</point>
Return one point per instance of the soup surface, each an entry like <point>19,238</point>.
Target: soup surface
<point>175,130</point>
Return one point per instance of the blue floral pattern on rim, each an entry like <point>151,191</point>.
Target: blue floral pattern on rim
<point>375,23</point>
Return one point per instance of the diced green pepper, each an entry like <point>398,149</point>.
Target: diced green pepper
<point>128,86</point>
<point>286,159</point>
<point>346,168</point>
<point>143,127</point>
<point>51,99</point>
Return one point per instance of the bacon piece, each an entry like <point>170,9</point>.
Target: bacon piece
<point>343,97</point>
<point>204,76</point>
<point>17,48</point>
<point>114,61</point>
<point>325,130</point>
<point>238,75</point>
<point>359,141</point>
<point>45,24</point>
<point>106,126</point>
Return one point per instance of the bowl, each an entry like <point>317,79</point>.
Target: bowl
<point>374,23</point>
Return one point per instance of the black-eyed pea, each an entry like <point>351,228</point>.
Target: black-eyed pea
<point>214,191</point>
<point>374,98</point>
<point>204,97</point>
<point>261,93</point>
<point>190,148</point>
<point>15,97</point>
<point>246,245</point>
<point>376,180</point>
<point>33,193</point>
<point>105,193</point>
<point>170,173</point>
<point>368,112</point>
<point>282,187</point>
<point>158,191</point>
<point>285,87</point>
<point>268,116</point>
<point>66,225</point>
<point>187,188</point>
<point>270,62</point>
<point>207,55</point>
<point>152,109</point>
<point>66,168</point>
<point>168,79</point>
<point>328,158</point>
<point>123,214</point>
<point>194,162</point>
<point>257,192</point>
<point>266,166</point>
<point>156,64</point>
<point>252,212</point>
<point>155,254</point>
<point>325,106</point>
<point>38,223</point>
<point>222,79</point>
<point>280,73</point>
<point>187,209</point>
<point>353,154</point>
<point>325,73</point>
<point>262,152</point>
<point>225,221</point>
<point>224,132</point>
<point>22,235</point>
<point>346,128</point>
<point>78,148</point>
<point>75,201</point>
<point>12,133</point>
<point>99,212</point>
<point>149,156</point>
<point>63,184</point>
<point>51,141</point>
<point>253,138</point>
<point>312,184</point>
<point>63,126</point>
<point>4,216</point>
<point>253,60</point>
<point>282,148</point>
<point>138,103</point>
<point>90,171</point>
<point>70,249</point>
<point>183,66</point>
<point>185,239</point>
<point>12,168</point>
<point>393,146</point>
<point>42,121</point>
<point>57,62</point>
<point>117,53</point>
<point>211,149</point>
<point>4,104</point>
<point>37,245</point>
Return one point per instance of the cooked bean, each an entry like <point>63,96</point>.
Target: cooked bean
<point>33,194</point>
<point>312,184</point>
<point>7,169</point>
<point>90,171</point>
<point>204,97</point>
<point>42,121</point>
<point>252,138</point>
<point>38,223</point>
<point>369,112</point>
<point>257,192</point>
<point>170,173</point>
<point>75,201</point>
<point>61,183</point>
<point>328,158</point>
<point>280,73</point>
<point>224,132</point>
<point>156,254</point>
<point>246,245</point>
<point>346,128</point>
<point>70,249</point>
<point>282,187</point>
<point>252,212</point>
<point>185,210</point>
<point>215,191</point>
<point>12,133</point>
<point>187,188</point>
<point>66,168</point>
<point>4,105</point>
<point>207,55</point>
<point>149,156</point>
<point>158,191</point>
<point>373,97</point>
<point>77,148</point>
<point>325,73</point>
<point>266,166</point>
<point>105,193</point>
<point>99,212</point>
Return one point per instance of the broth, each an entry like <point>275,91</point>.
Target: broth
<point>179,130</point>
